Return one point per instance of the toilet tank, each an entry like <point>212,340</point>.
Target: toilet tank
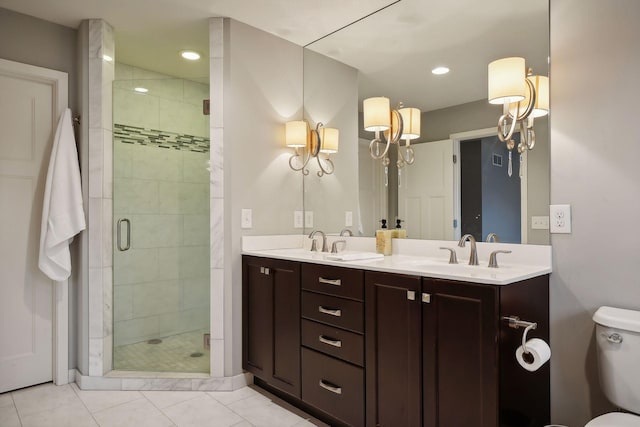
<point>618,343</point>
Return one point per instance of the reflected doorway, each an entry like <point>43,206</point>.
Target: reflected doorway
<point>490,197</point>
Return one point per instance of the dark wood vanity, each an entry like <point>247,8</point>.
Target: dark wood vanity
<point>364,348</point>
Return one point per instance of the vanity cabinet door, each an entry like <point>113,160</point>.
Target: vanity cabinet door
<point>460,354</point>
<point>393,343</point>
<point>271,317</point>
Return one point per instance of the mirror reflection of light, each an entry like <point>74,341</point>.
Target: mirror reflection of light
<point>141,89</point>
<point>191,55</point>
<point>438,71</point>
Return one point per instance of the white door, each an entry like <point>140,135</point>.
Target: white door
<point>30,102</point>
<point>425,194</point>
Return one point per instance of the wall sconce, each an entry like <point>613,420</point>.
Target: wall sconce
<point>311,142</point>
<point>523,98</point>
<point>395,125</point>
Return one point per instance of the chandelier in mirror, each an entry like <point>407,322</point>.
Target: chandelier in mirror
<point>391,127</point>
<point>523,97</point>
<point>318,143</point>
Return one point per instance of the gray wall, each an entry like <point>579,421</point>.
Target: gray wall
<point>595,150</point>
<point>262,91</point>
<point>44,44</point>
<point>331,97</point>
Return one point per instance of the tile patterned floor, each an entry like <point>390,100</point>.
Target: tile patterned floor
<point>173,354</point>
<point>48,405</point>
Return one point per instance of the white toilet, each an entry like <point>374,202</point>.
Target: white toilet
<point>618,340</point>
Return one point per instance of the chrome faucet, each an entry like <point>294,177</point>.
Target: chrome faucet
<point>314,246</point>
<point>346,232</point>
<point>473,256</point>
<point>493,258</point>
<point>492,237</point>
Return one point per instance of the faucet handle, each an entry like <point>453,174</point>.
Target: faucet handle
<point>453,259</point>
<point>334,246</point>
<point>493,258</point>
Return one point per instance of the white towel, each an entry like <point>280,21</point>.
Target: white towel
<point>62,212</point>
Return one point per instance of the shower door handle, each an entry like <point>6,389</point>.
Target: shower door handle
<point>119,234</point>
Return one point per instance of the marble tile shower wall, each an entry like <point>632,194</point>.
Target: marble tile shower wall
<point>161,284</point>
<point>171,104</point>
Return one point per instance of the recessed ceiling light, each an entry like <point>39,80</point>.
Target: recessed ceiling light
<point>141,89</point>
<point>191,55</point>
<point>440,70</point>
<point>107,58</point>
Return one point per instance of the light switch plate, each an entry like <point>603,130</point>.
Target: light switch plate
<point>560,219</point>
<point>298,219</point>
<point>308,219</point>
<point>348,219</point>
<point>246,218</point>
<point>539,222</point>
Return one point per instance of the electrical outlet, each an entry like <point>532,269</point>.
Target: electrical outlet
<point>298,219</point>
<point>246,220</point>
<point>560,218</point>
<point>308,219</point>
<point>348,219</point>
<point>539,222</point>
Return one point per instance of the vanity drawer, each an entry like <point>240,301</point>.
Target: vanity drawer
<point>333,386</point>
<point>333,341</point>
<point>334,311</point>
<point>343,282</point>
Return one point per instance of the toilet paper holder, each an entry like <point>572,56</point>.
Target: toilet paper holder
<point>515,323</point>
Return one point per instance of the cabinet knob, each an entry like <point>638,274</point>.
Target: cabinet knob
<point>411,295</point>
<point>426,298</point>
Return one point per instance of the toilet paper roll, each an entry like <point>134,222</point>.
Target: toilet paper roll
<point>539,354</point>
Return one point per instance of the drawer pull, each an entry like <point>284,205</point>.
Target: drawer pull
<point>329,341</point>
<point>336,282</point>
<point>330,387</point>
<point>330,311</point>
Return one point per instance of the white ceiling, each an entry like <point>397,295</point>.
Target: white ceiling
<point>394,49</point>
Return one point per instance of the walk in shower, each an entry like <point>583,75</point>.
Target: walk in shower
<point>161,222</point>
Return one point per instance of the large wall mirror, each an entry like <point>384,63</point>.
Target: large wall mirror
<point>459,182</point>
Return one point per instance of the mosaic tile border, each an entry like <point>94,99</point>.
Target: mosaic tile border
<point>156,138</point>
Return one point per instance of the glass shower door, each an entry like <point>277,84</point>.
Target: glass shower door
<point>161,223</point>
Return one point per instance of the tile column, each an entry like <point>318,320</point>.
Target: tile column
<point>216,123</point>
<point>98,114</point>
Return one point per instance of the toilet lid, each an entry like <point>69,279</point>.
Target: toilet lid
<point>615,419</point>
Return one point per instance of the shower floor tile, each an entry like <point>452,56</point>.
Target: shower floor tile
<point>173,354</point>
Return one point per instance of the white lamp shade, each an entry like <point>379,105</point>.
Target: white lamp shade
<point>410,123</point>
<point>541,83</point>
<point>377,114</point>
<point>296,134</point>
<point>506,80</point>
<point>330,139</point>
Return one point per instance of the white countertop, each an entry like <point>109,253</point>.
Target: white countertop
<point>525,261</point>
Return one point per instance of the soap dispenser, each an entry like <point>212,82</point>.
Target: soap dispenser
<point>383,239</point>
<point>399,232</point>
